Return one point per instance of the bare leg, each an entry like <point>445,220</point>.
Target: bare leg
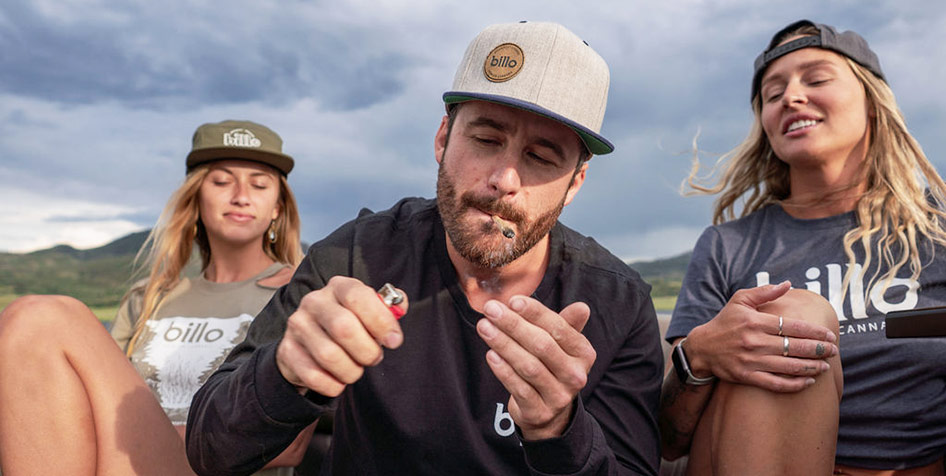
<point>748,430</point>
<point>71,402</point>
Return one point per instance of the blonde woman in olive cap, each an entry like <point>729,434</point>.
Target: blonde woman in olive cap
<point>840,203</point>
<point>70,403</point>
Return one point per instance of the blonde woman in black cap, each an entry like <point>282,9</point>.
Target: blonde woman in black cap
<point>70,403</point>
<point>841,203</point>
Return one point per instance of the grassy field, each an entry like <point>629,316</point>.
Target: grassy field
<point>6,299</point>
<point>664,303</point>
<point>105,313</point>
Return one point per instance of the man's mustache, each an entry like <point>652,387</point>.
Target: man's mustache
<point>493,206</point>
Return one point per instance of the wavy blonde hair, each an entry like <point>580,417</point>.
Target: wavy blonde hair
<point>170,244</point>
<point>903,200</point>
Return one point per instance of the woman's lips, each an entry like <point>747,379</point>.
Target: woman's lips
<point>239,217</point>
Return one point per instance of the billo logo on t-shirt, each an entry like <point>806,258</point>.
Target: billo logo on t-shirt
<point>193,333</point>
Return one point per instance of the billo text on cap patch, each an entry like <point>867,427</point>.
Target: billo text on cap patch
<point>503,63</point>
<point>241,138</point>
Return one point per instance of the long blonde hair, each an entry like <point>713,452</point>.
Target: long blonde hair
<point>170,244</point>
<point>895,210</point>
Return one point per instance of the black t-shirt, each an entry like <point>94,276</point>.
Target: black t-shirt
<point>433,406</point>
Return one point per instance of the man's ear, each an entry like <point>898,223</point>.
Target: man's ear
<point>440,140</point>
<point>576,184</point>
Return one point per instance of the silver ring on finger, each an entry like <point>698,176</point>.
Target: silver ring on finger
<point>780,326</point>
<point>784,346</point>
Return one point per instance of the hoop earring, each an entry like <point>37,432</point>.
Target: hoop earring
<point>272,231</point>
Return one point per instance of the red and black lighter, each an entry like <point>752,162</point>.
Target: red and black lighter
<point>391,297</point>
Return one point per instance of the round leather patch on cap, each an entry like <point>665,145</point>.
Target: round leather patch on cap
<point>503,63</point>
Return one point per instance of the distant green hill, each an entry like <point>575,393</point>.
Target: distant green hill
<point>665,277</point>
<point>100,276</point>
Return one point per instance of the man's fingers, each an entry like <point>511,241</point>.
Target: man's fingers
<point>526,365</point>
<point>347,333</point>
<point>528,407</point>
<point>363,302</point>
<point>299,369</point>
<point>540,358</point>
<point>518,387</point>
<point>526,377</point>
<point>548,363</point>
<point>334,334</point>
<point>576,314</point>
<point>564,328</point>
<point>328,354</point>
<point>320,317</point>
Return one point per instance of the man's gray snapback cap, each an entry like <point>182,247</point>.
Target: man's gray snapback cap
<point>238,140</point>
<point>847,43</point>
<point>541,68</point>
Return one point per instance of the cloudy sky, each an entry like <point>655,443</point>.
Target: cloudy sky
<point>99,99</point>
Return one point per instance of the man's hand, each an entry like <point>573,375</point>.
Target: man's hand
<point>542,359</point>
<point>335,333</point>
<point>742,344</point>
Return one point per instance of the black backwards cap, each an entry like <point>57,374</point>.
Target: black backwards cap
<point>847,43</point>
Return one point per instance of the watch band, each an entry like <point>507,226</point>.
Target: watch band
<point>682,367</point>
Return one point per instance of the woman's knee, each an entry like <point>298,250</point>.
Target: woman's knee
<point>28,319</point>
<point>804,305</point>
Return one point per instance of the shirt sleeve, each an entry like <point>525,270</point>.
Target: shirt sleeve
<point>248,395</point>
<point>705,289</point>
<point>123,327</point>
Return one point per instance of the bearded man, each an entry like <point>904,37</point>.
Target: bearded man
<point>526,348</point>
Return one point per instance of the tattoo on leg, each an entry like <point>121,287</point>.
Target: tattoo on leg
<point>819,350</point>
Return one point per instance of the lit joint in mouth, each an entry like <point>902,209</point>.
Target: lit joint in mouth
<point>507,230</point>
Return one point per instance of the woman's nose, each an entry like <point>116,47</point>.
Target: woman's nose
<point>240,194</point>
<point>794,94</point>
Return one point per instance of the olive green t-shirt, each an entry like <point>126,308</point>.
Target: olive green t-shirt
<point>192,331</point>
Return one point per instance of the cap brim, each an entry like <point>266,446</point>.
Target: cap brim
<point>282,163</point>
<point>595,143</point>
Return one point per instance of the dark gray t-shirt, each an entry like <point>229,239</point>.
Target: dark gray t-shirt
<point>893,413</point>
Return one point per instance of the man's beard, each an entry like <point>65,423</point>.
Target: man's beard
<point>483,244</point>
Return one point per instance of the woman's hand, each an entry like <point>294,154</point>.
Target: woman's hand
<point>745,345</point>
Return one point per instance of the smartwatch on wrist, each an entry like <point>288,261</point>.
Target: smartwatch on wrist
<point>682,367</point>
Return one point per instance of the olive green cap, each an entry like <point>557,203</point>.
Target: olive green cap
<point>243,140</point>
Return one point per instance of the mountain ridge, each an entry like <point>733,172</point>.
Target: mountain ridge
<point>100,276</point>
